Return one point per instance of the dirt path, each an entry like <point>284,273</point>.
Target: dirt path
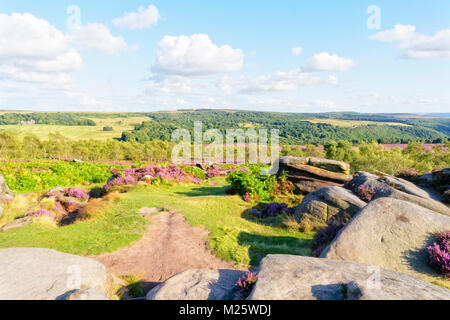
<point>169,246</point>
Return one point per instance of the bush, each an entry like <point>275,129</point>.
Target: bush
<point>324,237</point>
<point>252,184</point>
<point>246,283</point>
<point>108,129</point>
<point>365,193</point>
<point>439,254</point>
<point>77,193</point>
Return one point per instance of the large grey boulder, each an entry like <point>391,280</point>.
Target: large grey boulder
<point>44,274</point>
<point>198,285</point>
<point>85,294</point>
<point>330,203</point>
<point>5,193</point>
<point>396,188</point>
<point>392,234</point>
<point>311,174</point>
<point>287,277</point>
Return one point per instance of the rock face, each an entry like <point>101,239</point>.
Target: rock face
<point>396,188</point>
<point>330,203</point>
<point>21,222</point>
<point>198,285</point>
<point>311,174</point>
<point>85,294</point>
<point>44,274</point>
<point>5,192</point>
<point>392,234</point>
<point>286,277</point>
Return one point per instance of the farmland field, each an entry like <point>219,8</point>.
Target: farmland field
<point>119,125</point>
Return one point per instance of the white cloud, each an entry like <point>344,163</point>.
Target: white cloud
<point>327,104</point>
<point>173,84</point>
<point>297,51</point>
<point>329,62</point>
<point>99,37</point>
<point>281,81</point>
<point>142,19</point>
<point>398,33</point>
<point>195,55</point>
<point>34,51</point>
<point>333,80</point>
<point>414,45</point>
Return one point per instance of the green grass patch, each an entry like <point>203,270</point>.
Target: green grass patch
<point>234,236</point>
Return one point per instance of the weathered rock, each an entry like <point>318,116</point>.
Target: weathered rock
<point>21,222</point>
<point>426,180</point>
<point>330,203</point>
<point>56,192</point>
<point>311,174</point>
<point>286,277</point>
<point>85,294</point>
<point>198,285</point>
<point>5,193</point>
<point>445,197</point>
<point>392,234</point>
<point>442,177</point>
<point>44,274</point>
<point>396,188</point>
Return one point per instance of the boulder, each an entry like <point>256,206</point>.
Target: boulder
<point>21,222</point>
<point>85,294</point>
<point>426,180</point>
<point>396,188</point>
<point>311,174</point>
<point>198,285</point>
<point>44,274</point>
<point>392,234</point>
<point>330,203</point>
<point>287,277</point>
<point>5,193</point>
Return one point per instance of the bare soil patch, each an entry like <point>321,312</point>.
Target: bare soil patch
<point>169,246</point>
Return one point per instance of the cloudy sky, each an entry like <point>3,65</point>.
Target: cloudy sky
<point>288,55</point>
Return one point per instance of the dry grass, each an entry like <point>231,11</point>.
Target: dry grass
<point>96,208</point>
<point>291,224</point>
<point>18,207</point>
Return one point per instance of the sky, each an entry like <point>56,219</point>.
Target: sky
<point>290,55</point>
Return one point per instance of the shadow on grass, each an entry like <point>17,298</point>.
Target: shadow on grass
<point>276,222</point>
<point>204,191</point>
<point>261,246</point>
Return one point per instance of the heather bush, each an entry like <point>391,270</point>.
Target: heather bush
<point>171,173</point>
<point>439,254</point>
<point>43,213</point>
<point>408,173</point>
<point>365,193</point>
<point>246,283</point>
<point>77,193</point>
<point>324,237</point>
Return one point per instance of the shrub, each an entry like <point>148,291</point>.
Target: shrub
<point>214,172</point>
<point>108,128</point>
<point>365,193</point>
<point>252,183</point>
<point>43,213</point>
<point>246,283</point>
<point>408,173</point>
<point>324,237</point>
<point>77,193</point>
<point>439,254</point>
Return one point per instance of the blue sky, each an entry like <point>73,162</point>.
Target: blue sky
<point>165,55</point>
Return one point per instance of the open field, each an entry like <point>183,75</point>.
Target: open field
<point>77,132</point>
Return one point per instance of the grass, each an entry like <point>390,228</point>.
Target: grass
<point>78,132</point>
<point>234,235</point>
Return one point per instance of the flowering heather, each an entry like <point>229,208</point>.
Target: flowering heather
<point>43,213</point>
<point>247,197</point>
<point>214,172</point>
<point>439,254</point>
<point>274,209</point>
<point>408,173</point>
<point>365,193</point>
<point>324,237</point>
<point>171,173</point>
<point>77,193</point>
<point>246,283</point>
